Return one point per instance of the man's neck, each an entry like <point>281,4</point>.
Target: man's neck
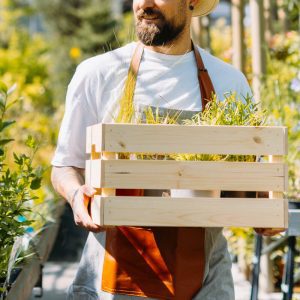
<point>180,46</point>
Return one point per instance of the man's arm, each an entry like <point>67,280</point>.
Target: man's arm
<point>69,183</point>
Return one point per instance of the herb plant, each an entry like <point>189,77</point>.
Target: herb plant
<point>231,111</point>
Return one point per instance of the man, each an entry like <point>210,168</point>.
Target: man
<point>170,73</point>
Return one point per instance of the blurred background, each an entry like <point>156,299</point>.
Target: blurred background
<point>41,43</point>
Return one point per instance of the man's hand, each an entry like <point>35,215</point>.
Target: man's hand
<point>69,183</point>
<point>79,204</point>
<point>269,231</point>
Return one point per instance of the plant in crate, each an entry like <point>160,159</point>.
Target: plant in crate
<point>230,111</point>
<point>17,184</point>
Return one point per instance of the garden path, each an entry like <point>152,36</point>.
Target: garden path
<point>58,276</point>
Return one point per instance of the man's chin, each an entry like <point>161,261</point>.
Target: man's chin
<point>147,32</point>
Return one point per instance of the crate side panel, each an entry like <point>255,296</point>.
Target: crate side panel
<point>193,212</point>
<point>195,139</point>
<point>201,175</point>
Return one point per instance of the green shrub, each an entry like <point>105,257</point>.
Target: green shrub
<point>17,186</point>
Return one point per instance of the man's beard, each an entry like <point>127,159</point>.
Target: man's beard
<point>152,34</point>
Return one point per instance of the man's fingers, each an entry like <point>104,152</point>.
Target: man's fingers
<point>90,226</point>
<point>83,219</point>
<point>88,191</point>
<point>80,209</point>
<point>269,231</point>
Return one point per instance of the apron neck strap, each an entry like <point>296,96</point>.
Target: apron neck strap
<point>126,103</point>
<point>205,83</point>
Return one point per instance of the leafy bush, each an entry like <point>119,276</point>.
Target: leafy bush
<point>17,186</point>
<point>281,98</point>
<point>25,60</point>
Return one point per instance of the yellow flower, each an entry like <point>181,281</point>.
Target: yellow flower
<point>75,52</point>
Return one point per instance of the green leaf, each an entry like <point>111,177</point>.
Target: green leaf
<point>5,124</point>
<point>11,103</point>
<point>3,87</point>
<point>39,171</point>
<point>31,142</point>
<point>5,141</point>
<point>16,157</point>
<point>36,183</point>
<point>2,101</point>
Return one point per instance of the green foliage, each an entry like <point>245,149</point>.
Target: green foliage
<point>292,8</point>
<point>78,29</point>
<point>230,111</point>
<point>280,95</point>
<point>17,186</point>
<point>281,98</point>
<point>87,24</point>
<point>25,61</point>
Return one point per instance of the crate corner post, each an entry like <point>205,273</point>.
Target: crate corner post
<point>97,210</point>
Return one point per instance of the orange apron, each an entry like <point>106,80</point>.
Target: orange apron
<point>156,262</point>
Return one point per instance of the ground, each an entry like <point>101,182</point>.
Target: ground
<point>61,268</point>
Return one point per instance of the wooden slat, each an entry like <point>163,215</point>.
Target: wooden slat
<point>201,175</point>
<point>189,139</point>
<point>88,170</point>
<point>96,202</point>
<point>90,181</point>
<point>89,139</point>
<point>107,190</point>
<point>279,194</point>
<point>97,210</point>
<point>94,136</point>
<point>192,212</point>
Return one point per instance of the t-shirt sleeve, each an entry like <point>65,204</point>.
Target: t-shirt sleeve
<point>80,112</point>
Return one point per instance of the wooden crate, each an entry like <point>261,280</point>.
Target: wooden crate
<point>106,173</point>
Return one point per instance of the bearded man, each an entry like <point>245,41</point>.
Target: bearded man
<point>170,73</point>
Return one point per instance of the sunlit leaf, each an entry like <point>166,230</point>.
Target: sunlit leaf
<point>36,183</point>
<point>30,142</point>
<point>3,87</point>
<point>5,124</point>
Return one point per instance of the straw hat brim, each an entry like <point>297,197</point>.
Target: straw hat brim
<point>204,7</point>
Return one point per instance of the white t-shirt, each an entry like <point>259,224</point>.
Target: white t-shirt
<point>168,81</point>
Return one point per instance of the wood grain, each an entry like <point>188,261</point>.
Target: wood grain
<point>206,212</point>
<point>199,175</point>
<point>245,140</point>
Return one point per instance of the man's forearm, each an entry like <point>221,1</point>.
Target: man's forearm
<point>67,180</point>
